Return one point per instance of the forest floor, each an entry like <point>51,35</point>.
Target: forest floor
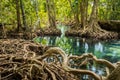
<point>26,60</point>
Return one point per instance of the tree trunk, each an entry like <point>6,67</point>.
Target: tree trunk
<point>18,15</point>
<point>84,13</point>
<point>115,75</point>
<point>76,17</point>
<point>75,12</point>
<point>51,13</point>
<point>23,15</point>
<point>36,9</point>
<point>93,18</point>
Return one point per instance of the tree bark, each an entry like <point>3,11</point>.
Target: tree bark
<point>18,15</point>
<point>23,15</point>
<point>93,17</point>
<point>51,13</point>
<point>36,9</point>
<point>84,13</point>
<point>75,10</point>
<point>76,17</point>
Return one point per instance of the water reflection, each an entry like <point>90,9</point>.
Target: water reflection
<point>109,50</point>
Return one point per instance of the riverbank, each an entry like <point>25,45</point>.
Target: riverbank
<point>110,30</point>
<point>106,30</point>
<point>93,35</point>
<point>48,32</point>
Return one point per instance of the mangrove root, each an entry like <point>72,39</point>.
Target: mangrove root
<point>26,60</point>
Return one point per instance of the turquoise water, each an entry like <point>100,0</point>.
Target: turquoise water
<point>109,50</point>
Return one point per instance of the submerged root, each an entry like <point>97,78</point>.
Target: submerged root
<point>19,60</point>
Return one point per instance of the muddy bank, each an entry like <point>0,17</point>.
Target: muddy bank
<point>20,35</point>
<point>48,32</point>
<point>110,25</point>
<point>92,35</point>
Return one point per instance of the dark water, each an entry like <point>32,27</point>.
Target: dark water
<point>109,50</point>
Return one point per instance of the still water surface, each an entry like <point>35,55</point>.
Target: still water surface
<point>109,50</point>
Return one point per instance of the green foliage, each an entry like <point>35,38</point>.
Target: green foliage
<point>40,40</point>
<point>108,9</point>
<point>37,40</point>
<point>64,44</point>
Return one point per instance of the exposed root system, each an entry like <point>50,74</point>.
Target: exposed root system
<point>25,60</point>
<point>99,34</point>
<point>94,31</point>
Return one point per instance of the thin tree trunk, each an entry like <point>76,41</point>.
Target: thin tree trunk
<point>77,15</point>
<point>18,15</point>
<point>71,7</point>
<point>93,22</point>
<point>86,11</point>
<point>36,9</point>
<point>2,25</point>
<point>93,16</point>
<point>51,13</point>
<point>23,15</point>
<point>75,12</point>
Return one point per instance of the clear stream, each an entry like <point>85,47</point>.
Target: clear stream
<point>109,50</point>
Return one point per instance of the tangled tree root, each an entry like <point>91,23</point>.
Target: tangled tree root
<point>25,60</point>
<point>89,33</point>
<point>49,32</point>
<point>98,33</point>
